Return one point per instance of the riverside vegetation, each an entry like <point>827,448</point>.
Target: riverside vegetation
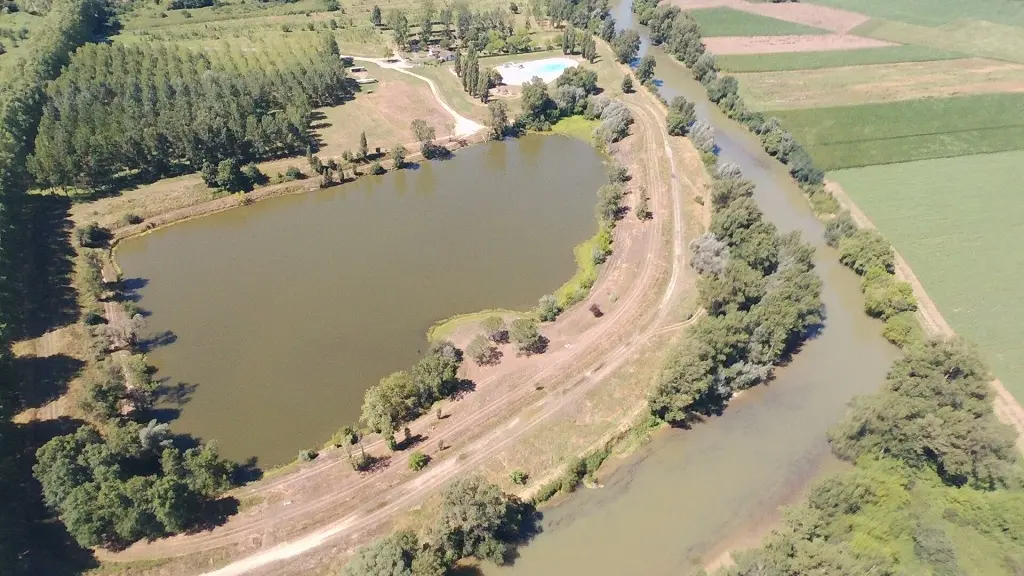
<point>936,485</point>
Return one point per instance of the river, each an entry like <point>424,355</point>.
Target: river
<point>690,494</point>
<point>284,312</point>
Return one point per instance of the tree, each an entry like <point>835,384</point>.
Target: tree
<point>645,70</point>
<point>685,381</point>
<point>391,403</point>
<point>627,84</point>
<point>399,24</point>
<point>398,153</point>
<point>885,296</point>
<point>526,337</point>
<point>376,169</point>
<point>209,174</point>
<point>436,373</point>
<point>495,329</point>
<point>548,308</point>
<point>866,249</point>
<point>375,16</point>
<point>424,133</point>
<point>626,46</point>
<point>364,148</point>
<point>608,30</point>
<point>680,115</point>
<point>418,461</point>
<point>537,107</point>
<point>609,202</point>
<point>389,556</point>
<point>477,520</point>
<point>483,86</point>
<point>838,228</point>
<point>499,118</point>
<point>643,209</point>
<point>481,350</point>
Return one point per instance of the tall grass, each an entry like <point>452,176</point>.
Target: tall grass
<point>729,22</point>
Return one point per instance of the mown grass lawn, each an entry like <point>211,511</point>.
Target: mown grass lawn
<point>729,22</point>
<point>851,136</point>
<point>959,222</point>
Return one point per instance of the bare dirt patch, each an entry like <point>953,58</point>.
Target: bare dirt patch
<point>774,44</point>
<point>834,19</point>
<point>1005,406</point>
<point>839,21</point>
<point>851,85</point>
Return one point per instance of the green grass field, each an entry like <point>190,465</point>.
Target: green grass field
<point>851,136</point>
<point>935,12</point>
<point>975,37</point>
<point>959,222</point>
<point>729,22</point>
<point>829,59</point>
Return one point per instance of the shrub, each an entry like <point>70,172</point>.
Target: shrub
<point>526,336</point>
<point>617,173</point>
<point>903,329</point>
<point>495,329</point>
<point>418,461</point>
<point>92,235</point>
<point>547,308</point>
<point>838,228</point>
<point>885,296</point>
<point>864,250</point>
<point>130,219</point>
<point>308,455</point>
<point>481,350</point>
<point>518,477</point>
<point>293,173</point>
<point>376,169</point>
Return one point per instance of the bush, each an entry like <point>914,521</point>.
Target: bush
<point>518,477</point>
<point>293,173</point>
<point>92,235</point>
<point>481,350</point>
<point>418,461</point>
<point>617,173</point>
<point>864,250</point>
<point>525,335</point>
<point>308,455</point>
<point>903,329</point>
<point>130,219</point>
<point>376,169</point>
<point>547,308</point>
<point>495,329</point>
<point>885,296</point>
<point>838,228</point>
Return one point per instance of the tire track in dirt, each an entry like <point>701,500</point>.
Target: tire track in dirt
<point>1006,407</point>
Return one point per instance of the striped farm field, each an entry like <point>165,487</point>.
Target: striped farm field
<point>831,59</point>
<point>959,222</point>
<point>851,85</point>
<point>729,22</point>
<point>868,134</point>
<point>974,37</point>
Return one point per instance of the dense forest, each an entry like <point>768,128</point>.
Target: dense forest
<point>157,109</point>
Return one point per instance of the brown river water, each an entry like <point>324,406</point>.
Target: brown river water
<point>285,311</point>
<point>690,494</point>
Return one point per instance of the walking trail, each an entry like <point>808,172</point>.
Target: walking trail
<point>463,126</point>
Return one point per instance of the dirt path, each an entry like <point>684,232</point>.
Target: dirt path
<point>463,126</point>
<point>1005,405</point>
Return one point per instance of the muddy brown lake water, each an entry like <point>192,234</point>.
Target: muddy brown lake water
<point>285,311</point>
<point>691,494</point>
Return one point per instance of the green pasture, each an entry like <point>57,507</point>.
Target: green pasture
<point>935,12</point>
<point>974,37</point>
<point>959,222</point>
<point>868,134</point>
<point>729,22</point>
<point>785,61</point>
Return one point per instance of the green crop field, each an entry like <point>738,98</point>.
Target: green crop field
<point>959,222</point>
<point>975,37</point>
<point>849,136</point>
<point>729,22</point>
<point>830,59</point>
<point>934,12</point>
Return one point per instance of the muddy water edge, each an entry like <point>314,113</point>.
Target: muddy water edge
<point>692,494</point>
<point>284,312</point>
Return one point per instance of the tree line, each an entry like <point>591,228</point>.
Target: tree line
<point>762,297</point>
<point>680,35</point>
<point>156,109</point>
<point>475,519</point>
<point>936,489</point>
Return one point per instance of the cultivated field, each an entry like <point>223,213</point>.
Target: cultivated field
<point>879,83</point>
<point>974,37</point>
<point>728,22</point>
<point>959,223</point>
<point>850,136</point>
<point>935,12</point>
<point>831,59</point>
<point>723,45</point>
